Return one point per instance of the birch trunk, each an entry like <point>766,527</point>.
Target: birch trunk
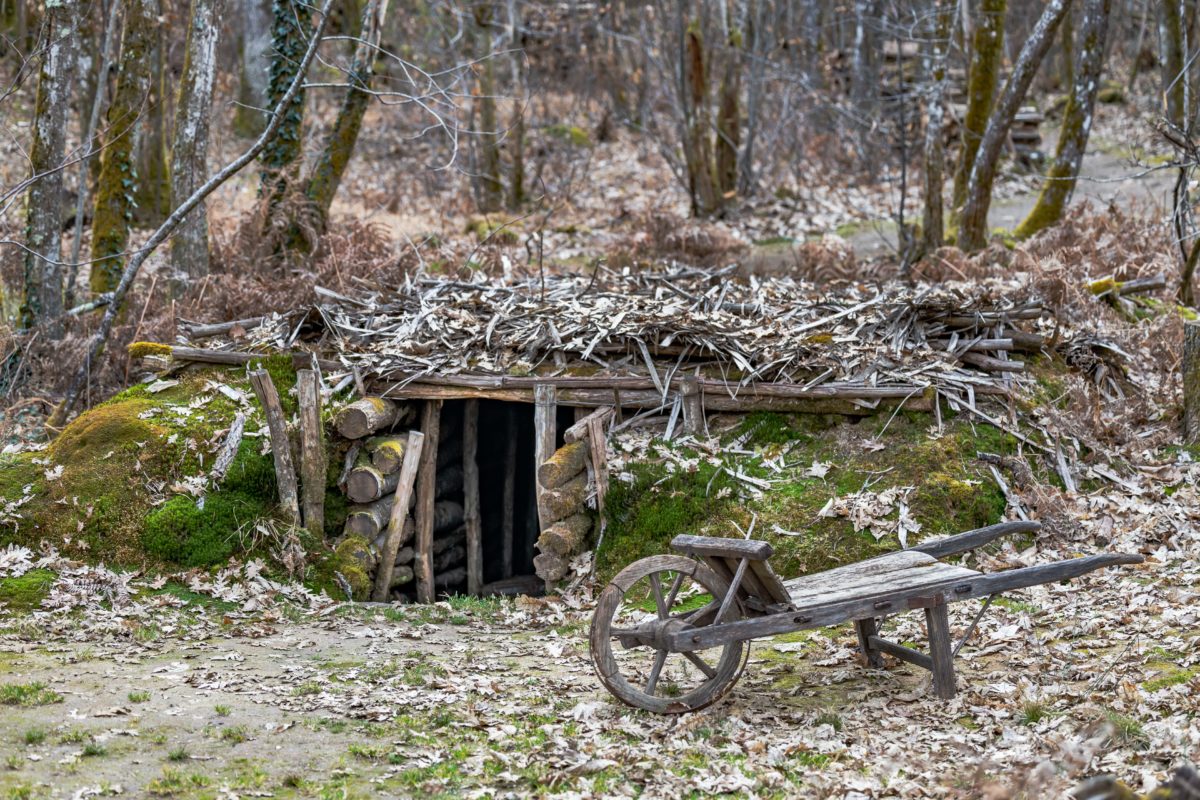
<point>1059,183</point>
<point>189,149</point>
<point>973,219</point>
<point>43,209</point>
<point>117,183</point>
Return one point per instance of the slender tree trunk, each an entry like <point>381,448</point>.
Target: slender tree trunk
<point>153,195</point>
<point>1059,183</point>
<point>697,144</point>
<point>42,303</point>
<point>972,229</point>
<point>728,139</point>
<point>290,32</point>
<point>516,188</point>
<point>1174,77</point>
<point>492,183</point>
<point>987,53</point>
<point>117,184</point>
<point>254,17</point>
<point>758,41</point>
<point>933,228</point>
<point>331,165</point>
<point>189,149</point>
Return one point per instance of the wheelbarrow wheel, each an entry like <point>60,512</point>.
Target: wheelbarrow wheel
<point>646,602</point>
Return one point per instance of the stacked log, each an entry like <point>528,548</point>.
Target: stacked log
<point>566,480</point>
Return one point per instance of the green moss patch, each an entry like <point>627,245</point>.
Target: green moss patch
<point>26,592</point>
<point>951,491</point>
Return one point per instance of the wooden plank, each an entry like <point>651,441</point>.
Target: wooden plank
<point>395,530</point>
<point>880,565</point>
<point>693,406</point>
<point>281,448</point>
<point>964,542</point>
<point>776,591</point>
<point>508,495</point>
<point>544,433</point>
<point>426,496</point>
<point>716,546</point>
<point>581,429</point>
<point>908,580</point>
<point>471,498</point>
<point>312,450</point>
<point>872,603</point>
<point>867,631</point>
<point>937,623</point>
<point>750,585</point>
<point>901,652</point>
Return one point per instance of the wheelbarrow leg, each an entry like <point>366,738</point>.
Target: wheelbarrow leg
<point>937,623</point>
<point>866,628</point>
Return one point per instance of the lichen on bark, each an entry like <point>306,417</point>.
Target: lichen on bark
<point>987,54</point>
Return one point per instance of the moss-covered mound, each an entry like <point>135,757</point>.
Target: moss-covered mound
<point>937,476</point>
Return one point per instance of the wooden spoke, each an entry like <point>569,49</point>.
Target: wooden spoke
<point>675,584</point>
<point>659,660</point>
<point>701,664</point>
<point>659,603</point>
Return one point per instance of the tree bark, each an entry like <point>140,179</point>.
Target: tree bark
<point>291,29</point>
<point>117,183</point>
<point>987,54</point>
<point>972,229</point>
<point>933,226</point>
<point>189,149</point>
<point>1059,183</point>
<point>1174,77</point>
<point>491,190</point>
<point>43,302</point>
<point>327,173</point>
<point>254,17</point>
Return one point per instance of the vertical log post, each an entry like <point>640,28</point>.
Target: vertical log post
<point>510,490</point>
<point>395,528</point>
<point>281,448</point>
<point>471,518</point>
<point>866,628</point>
<point>1191,381</point>
<point>693,408</point>
<point>312,451</point>
<point>937,623</point>
<point>545,433</point>
<point>426,497</point>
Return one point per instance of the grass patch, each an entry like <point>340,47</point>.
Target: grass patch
<point>138,696</point>
<point>1032,713</point>
<point>26,592</point>
<point>1126,730</point>
<point>28,694</point>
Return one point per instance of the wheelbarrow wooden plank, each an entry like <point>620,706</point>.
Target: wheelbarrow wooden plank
<point>909,580</point>
<point>853,573</point>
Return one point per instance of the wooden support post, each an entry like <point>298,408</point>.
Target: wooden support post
<point>693,406</point>
<point>471,498</point>
<point>426,496</point>
<point>395,529</point>
<point>545,432</point>
<point>866,628</point>
<point>1191,381</point>
<point>508,511</point>
<point>937,623</point>
<point>281,448</point>
<point>312,450</point>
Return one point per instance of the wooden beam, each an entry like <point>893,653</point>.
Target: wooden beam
<point>426,497</point>
<point>726,548</point>
<point>693,407</point>
<point>867,631</point>
<point>471,516</point>
<point>395,529</point>
<point>901,652</point>
<point>937,623</point>
<point>580,430</point>
<point>281,448</point>
<point>544,435</point>
<point>963,542</point>
<point>312,450</point>
<point>508,501</point>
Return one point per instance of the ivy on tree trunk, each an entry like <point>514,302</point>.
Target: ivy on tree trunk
<point>291,28</point>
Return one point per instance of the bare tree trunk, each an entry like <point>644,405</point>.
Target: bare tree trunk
<point>1059,183</point>
<point>987,53</point>
<point>933,227</point>
<point>728,139</point>
<point>491,193</point>
<point>254,17</point>
<point>972,230</point>
<point>697,121</point>
<point>189,151</point>
<point>516,188</point>
<point>117,183</point>
<point>1174,77</point>
<point>327,173</point>
<point>153,195</point>
<point>43,209</point>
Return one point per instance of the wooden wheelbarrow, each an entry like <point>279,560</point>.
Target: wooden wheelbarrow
<point>682,623</point>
